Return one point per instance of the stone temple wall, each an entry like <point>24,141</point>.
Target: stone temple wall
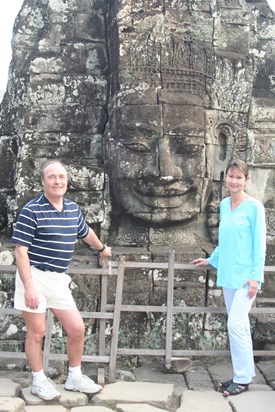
<point>146,101</point>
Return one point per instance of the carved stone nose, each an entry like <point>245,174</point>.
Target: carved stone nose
<point>168,169</point>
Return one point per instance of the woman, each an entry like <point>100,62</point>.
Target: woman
<point>239,259</point>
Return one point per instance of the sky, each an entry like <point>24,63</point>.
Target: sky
<point>271,4</point>
<point>8,12</point>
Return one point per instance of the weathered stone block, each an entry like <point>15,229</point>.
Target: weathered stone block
<point>179,365</point>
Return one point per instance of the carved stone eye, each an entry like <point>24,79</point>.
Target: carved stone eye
<point>137,147</point>
<point>188,148</point>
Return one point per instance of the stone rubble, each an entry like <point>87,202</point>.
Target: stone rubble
<point>153,391</point>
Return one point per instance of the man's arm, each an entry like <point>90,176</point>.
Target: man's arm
<point>92,240</point>
<point>24,269</point>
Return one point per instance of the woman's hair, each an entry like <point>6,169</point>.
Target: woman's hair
<point>50,162</point>
<point>238,164</point>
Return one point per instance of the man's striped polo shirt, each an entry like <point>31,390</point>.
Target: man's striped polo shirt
<point>49,234</point>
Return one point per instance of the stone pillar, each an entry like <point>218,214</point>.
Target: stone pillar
<point>55,104</point>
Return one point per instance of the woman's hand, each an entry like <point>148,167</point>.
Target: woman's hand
<point>253,287</point>
<point>200,262</point>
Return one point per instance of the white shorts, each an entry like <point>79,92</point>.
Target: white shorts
<point>53,289</point>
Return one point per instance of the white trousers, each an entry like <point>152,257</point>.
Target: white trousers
<point>238,306</point>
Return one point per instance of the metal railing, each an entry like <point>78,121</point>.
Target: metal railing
<point>113,312</point>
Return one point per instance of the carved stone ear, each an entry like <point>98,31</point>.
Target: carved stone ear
<point>224,146</point>
<point>224,134</point>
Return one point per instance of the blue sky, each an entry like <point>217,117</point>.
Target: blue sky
<point>8,12</point>
<point>271,4</point>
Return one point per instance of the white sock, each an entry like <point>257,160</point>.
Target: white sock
<point>38,376</point>
<point>75,371</point>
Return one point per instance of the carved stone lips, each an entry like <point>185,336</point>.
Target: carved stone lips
<point>162,196</point>
<point>163,190</point>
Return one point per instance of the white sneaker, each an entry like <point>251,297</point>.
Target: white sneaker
<point>82,383</point>
<point>45,390</point>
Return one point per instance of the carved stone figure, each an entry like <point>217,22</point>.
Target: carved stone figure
<point>157,149</point>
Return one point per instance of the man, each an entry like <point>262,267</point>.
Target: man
<point>45,236</point>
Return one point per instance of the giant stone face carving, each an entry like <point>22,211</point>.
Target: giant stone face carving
<point>158,162</point>
<point>158,151</point>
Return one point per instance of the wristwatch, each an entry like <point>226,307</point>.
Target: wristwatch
<point>103,248</point>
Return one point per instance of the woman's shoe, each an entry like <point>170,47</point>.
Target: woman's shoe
<point>236,389</point>
<point>224,384</point>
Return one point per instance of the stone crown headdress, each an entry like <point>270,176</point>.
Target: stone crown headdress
<point>175,65</point>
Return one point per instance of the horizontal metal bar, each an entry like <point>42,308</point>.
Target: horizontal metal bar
<point>186,309</point>
<point>179,353</point>
<point>175,353</point>
<point>91,271</point>
<point>140,352</point>
<point>10,311</point>
<point>128,264</point>
<point>57,356</point>
<point>97,315</point>
<point>7,268</point>
<point>85,358</point>
<point>145,308</point>
<point>15,355</point>
<point>265,300</point>
<point>71,271</point>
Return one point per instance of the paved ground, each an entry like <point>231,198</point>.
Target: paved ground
<point>148,389</point>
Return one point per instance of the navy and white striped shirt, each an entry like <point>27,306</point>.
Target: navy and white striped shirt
<point>49,234</point>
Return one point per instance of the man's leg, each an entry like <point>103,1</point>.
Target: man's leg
<point>35,323</point>
<point>73,325</point>
<point>43,387</point>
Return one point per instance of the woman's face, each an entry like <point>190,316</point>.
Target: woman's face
<point>235,180</point>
